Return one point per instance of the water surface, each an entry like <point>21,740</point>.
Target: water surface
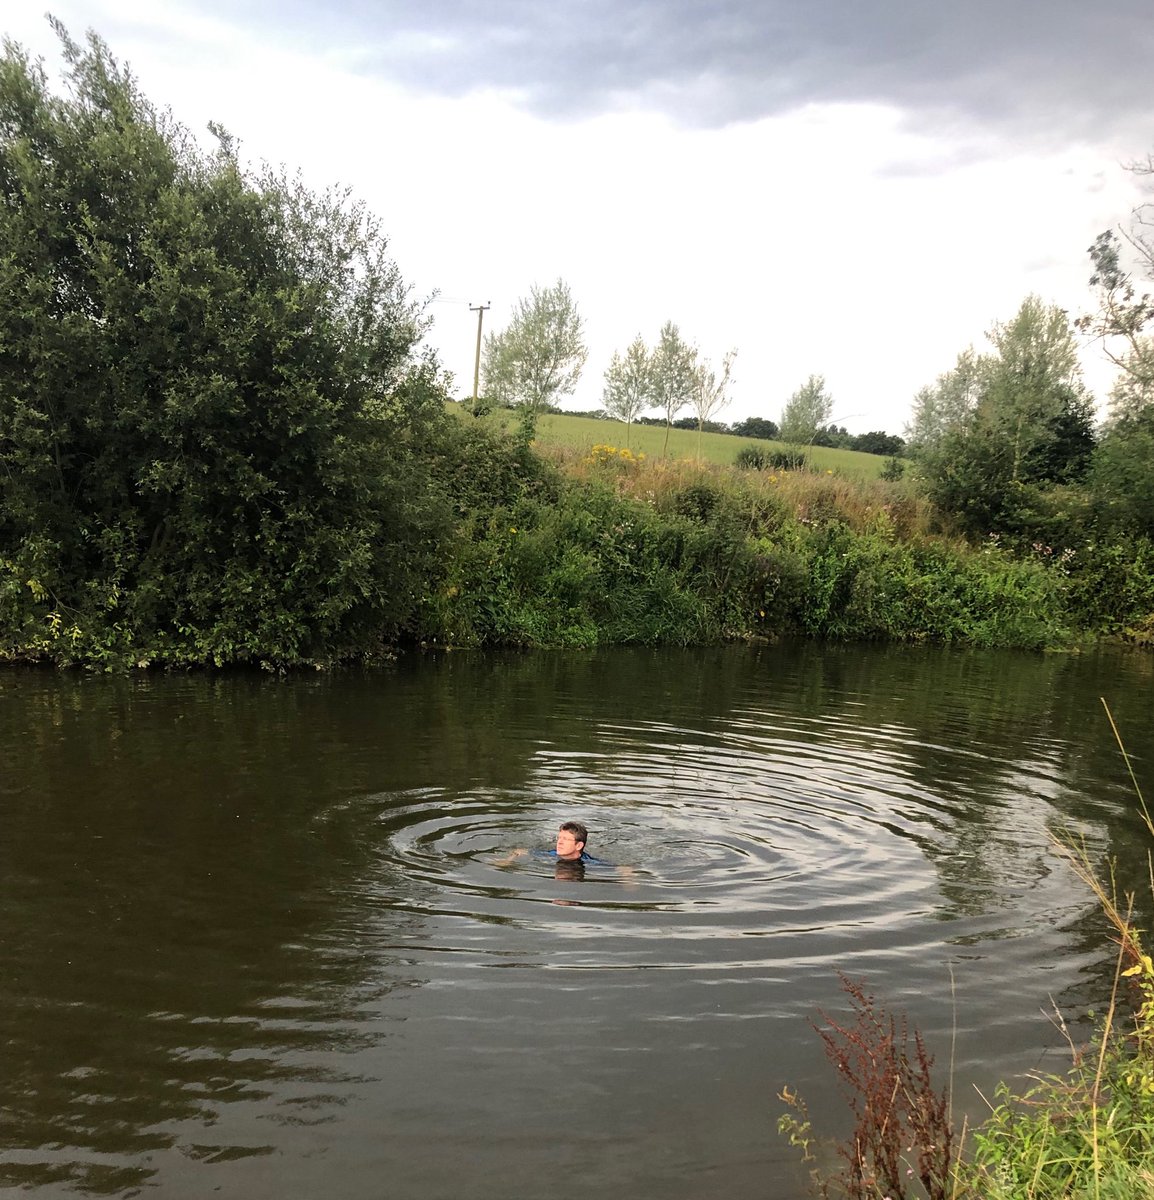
<point>255,939</point>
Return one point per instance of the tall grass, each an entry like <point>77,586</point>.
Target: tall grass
<point>1087,1134</point>
<point>862,501</point>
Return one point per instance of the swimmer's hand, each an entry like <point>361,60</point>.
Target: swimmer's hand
<point>511,858</point>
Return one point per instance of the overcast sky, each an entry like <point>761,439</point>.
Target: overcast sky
<point>853,188</point>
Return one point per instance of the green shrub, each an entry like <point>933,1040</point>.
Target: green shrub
<point>787,460</point>
<point>1111,586</point>
<point>215,409</point>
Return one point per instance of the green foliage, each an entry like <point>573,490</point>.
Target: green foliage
<point>539,356</point>
<point>791,459</point>
<point>752,458</point>
<point>863,586</point>
<point>1088,1133</point>
<point>878,442</point>
<point>673,367</point>
<point>1112,587</point>
<point>212,406</point>
<point>756,427</point>
<point>545,560</point>
<point>1120,475</point>
<point>948,404</point>
<point>1124,315</point>
<point>833,435</point>
<point>588,567</point>
<point>628,390</point>
<point>806,411</point>
<point>1002,426</point>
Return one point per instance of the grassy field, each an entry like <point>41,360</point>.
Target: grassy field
<point>582,433</point>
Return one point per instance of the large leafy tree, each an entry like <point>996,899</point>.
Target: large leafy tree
<point>1034,401</point>
<point>1007,423</point>
<point>946,406</point>
<point>806,411</point>
<point>757,427</point>
<point>538,357</point>
<point>211,395</point>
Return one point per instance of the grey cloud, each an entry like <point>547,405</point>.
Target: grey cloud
<point>1059,66</point>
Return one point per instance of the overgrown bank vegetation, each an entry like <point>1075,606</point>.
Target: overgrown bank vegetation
<point>221,442</point>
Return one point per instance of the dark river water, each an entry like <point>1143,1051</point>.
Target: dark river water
<point>256,939</point>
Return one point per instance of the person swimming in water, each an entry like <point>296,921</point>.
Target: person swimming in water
<point>570,858</point>
<point>569,852</point>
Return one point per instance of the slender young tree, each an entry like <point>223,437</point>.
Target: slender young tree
<point>629,383</point>
<point>806,411</point>
<point>538,357</point>
<point>1125,314</point>
<point>709,391</point>
<point>674,366</point>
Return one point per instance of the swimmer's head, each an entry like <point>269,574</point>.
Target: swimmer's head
<point>571,839</point>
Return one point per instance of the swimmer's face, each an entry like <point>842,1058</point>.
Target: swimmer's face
<point>568,847</point>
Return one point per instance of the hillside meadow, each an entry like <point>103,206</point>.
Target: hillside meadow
<point>583,433</point>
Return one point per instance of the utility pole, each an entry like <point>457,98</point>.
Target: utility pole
<point>480,310</point>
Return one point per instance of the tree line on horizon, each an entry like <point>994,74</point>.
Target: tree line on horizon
<point>759,428</point>
<point>538,358</point>
<point>992,441</point>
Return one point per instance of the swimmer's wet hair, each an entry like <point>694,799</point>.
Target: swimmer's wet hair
<point>579,832</point>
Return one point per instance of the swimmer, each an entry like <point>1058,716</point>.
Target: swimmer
<point>570,846</point>
<point>569,854</point>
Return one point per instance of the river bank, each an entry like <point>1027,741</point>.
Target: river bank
<point>502,544</point>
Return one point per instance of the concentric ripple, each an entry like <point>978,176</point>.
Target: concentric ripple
<point>763,845</point>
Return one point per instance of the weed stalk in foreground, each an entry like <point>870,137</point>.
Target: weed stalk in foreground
<point>902,1132</point>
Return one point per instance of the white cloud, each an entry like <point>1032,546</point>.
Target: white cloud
<point>837,239</point>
